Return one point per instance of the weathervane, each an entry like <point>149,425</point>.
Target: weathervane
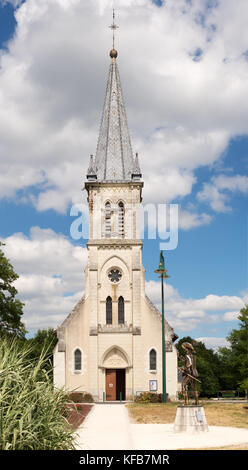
<point>113,27</point>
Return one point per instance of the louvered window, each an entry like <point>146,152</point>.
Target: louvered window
<point>109,311</point>
<point>153,359</point>
<point>121,316</point>
<point>107,219</point>
<point>121,219</point>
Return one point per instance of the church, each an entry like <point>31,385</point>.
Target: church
<point>110,345</point>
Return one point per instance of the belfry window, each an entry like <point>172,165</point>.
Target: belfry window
<point>77,360</point>
<point>109,311</point>
<point>107,219</point>
<point>121,228</point>
<point>121,314</point>
<point>153,360</point>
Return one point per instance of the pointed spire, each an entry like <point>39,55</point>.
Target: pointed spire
<point>114,157</point>
<point>136,174</point>
<point>91,173</point>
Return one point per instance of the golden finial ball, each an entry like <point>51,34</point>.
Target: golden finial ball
<point>113,53</point>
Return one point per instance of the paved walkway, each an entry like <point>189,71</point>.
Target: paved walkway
<point>161,436</point>
<point>107,427</point>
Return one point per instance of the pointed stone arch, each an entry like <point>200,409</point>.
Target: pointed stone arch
<point>115,358</point>
<point>112,257</point>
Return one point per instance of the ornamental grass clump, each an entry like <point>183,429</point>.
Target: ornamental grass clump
<point>31,412</point>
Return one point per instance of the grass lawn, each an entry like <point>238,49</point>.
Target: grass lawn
<point>217,414</point>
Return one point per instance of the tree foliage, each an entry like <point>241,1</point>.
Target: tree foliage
<point>235,358</point>
<point>43,343</point>
<point>10,307</point>
<point>45,338</point>
<point>226,369</point>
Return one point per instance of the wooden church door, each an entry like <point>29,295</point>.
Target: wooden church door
<point>111,384</point>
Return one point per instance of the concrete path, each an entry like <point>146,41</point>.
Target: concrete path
<point>161,436</point>
<point>107,427</point>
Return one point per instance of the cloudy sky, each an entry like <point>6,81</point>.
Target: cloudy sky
<point>184,72</point>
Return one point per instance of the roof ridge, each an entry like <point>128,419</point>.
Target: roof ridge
<point>73,312</point>
<point>154,308</point>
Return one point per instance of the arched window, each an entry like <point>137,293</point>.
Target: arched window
<point>121,316</point>
<point>77,360</point>
<point>108,219</point>
<point>153,360</point>
<point>109,311</point>
<point>121,228</point>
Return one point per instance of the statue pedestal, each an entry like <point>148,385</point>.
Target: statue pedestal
<point>190,418</point>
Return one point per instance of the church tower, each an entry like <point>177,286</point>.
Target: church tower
<point>110,345</point>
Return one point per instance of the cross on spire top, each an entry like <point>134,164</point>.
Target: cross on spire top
<point>113,26</point>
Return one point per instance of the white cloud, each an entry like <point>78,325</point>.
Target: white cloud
<point>190,219</point>
<point>185,314</point>
<point>182,112</point>
<point>41,284</point>
<point>214,343</point>
<point>191,314</point>
<point>51,275</point>
<point>216,302</point>
<point>163,217</point>
<point>230,316</point>
<point>245,295</point>
<point>217,193</point>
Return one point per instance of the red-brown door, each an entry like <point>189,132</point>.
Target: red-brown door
<point>111,384</point>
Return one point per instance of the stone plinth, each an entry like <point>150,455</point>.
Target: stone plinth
<point>190,419</point>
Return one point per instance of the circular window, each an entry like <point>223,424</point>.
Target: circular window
<point>114,275</point>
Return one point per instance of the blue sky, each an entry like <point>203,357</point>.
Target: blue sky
<point>201,148</point>
<point>7,23</point>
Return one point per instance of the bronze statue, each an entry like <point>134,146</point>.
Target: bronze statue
<point>189,373</point>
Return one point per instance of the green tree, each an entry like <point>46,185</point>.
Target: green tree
<point>10,307</point>
<point>243,385</point>
<point>43,343</point>
<point>207,364</point>
<point>45,338</point>
<point>235,358</point>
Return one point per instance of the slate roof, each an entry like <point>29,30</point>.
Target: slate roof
<point>114,159</point>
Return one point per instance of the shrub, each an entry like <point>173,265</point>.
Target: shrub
<point>88,398</point>
<point>81,397</point>
<point>149,397</point>
<point>31,413</point>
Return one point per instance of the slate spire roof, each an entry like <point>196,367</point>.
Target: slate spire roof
<point>114,159</point>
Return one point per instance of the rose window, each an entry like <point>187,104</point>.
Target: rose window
<point>114,275</point>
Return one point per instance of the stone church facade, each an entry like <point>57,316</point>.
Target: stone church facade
<point>110,345</point>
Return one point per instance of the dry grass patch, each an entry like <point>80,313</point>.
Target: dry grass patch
<point>227,414</point>
<point>217,414</point>
<point>152,412</point>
